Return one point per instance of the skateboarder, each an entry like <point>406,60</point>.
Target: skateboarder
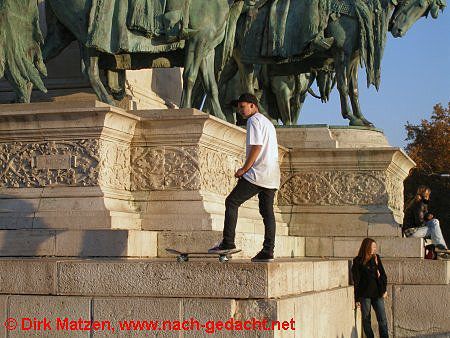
<point>260,176</point>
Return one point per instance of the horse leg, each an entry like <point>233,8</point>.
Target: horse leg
<point>20,86</point>
<point>354,94</point>
<point>116,83</point>
<point>90,59</point>
<point>209,80</point>
<point>58,37</point>
<point>341,75</point>
<point>191,68</point>
<point>283,95</point>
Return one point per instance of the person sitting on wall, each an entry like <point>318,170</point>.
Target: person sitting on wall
<point>420,223</point>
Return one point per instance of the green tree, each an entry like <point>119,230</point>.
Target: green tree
<point>429,147</point>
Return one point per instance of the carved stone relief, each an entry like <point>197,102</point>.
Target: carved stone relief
<point>334,188</point>
<point>88,162</point>
<point>165,168</point>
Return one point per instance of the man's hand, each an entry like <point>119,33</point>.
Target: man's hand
<point>385,295</point>
<point>358,304</point>
<point>239,173</point>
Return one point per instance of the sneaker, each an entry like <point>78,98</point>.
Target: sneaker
<point>220,246</point>
<point>445,256</point>
<point>263,256</point>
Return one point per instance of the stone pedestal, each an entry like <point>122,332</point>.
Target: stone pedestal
<point>65,181</point>
<point>86,171</point>
<point>342,182</point>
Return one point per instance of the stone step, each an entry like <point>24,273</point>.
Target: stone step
<point>327,313</point>
<point>250,244</point>
<point>82,243</point>
<point>71,220</point>
<point>417,271</point>
<point>162,277</point>
<point>348,247</point>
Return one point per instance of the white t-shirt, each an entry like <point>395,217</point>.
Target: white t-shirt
<point>265,172</point>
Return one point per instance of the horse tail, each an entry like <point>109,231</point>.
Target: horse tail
<point>230,32</point>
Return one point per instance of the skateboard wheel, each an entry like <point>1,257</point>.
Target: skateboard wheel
<point>223,259</point>
<point>182,259</point>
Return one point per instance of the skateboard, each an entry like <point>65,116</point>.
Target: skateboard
<point>183,256</point>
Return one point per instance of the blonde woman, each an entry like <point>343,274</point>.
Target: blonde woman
<point>418,222</point>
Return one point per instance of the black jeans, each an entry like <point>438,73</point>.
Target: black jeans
<point>380,312</point>
<point>243,191</point>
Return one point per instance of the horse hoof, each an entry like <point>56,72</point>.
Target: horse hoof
<point>356,123</point>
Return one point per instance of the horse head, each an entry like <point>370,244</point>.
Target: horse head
<point>409,11</point>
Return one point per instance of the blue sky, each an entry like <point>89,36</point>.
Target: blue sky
<point>415,75</point>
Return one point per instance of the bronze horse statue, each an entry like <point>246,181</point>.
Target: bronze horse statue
<point>353,42</point>
<point>70,20</point>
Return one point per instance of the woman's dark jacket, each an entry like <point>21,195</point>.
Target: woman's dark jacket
<point>366,282</point>
<point>415,215</point>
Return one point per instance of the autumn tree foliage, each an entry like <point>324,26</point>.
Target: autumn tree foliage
<point>429,147</point>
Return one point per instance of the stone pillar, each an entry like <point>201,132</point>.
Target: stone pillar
<point>342,181</point>
<point>66,165</point>
<point>183,164</point>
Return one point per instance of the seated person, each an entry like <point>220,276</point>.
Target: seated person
<point>419,223</point>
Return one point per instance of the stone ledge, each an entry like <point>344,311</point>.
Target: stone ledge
<point>417,271</point>
<point>73,243</point>
<point>168,278</point>
<point>347,247</point>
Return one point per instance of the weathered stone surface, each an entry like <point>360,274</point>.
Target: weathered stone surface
<point>27,242</point>
<point>137,309</point>
<point>387,247</point>
<point>432,300</point>
<point>40,307</point>
<point>3,313</point>
<point>318,247</point>
<point>417,271</point>
<point>165,278</point>
<point>83,243</point>
<point>319,314</point>
<point>107,243</point>
<point>27,276</point>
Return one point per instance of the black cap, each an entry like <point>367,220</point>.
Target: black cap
<point>246,97</point>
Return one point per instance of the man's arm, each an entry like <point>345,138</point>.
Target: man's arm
<point>252,156</point>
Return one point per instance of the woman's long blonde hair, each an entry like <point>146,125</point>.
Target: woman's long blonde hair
<point>418,197</point>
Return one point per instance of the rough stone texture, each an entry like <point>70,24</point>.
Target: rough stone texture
<point>318,247</point>
<point>51,308</point>
<point>319,314</point>
<point>26,276</point>
<point>433,318</point>
<point>417,271</point>
<point>349,246</point>
<point>347,170</point>
<point>150,309</point>
<point>3,313</point>
<point>84,243</point>
<point>198,278</point>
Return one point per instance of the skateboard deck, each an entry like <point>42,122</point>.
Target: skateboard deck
<point>183,256</point>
